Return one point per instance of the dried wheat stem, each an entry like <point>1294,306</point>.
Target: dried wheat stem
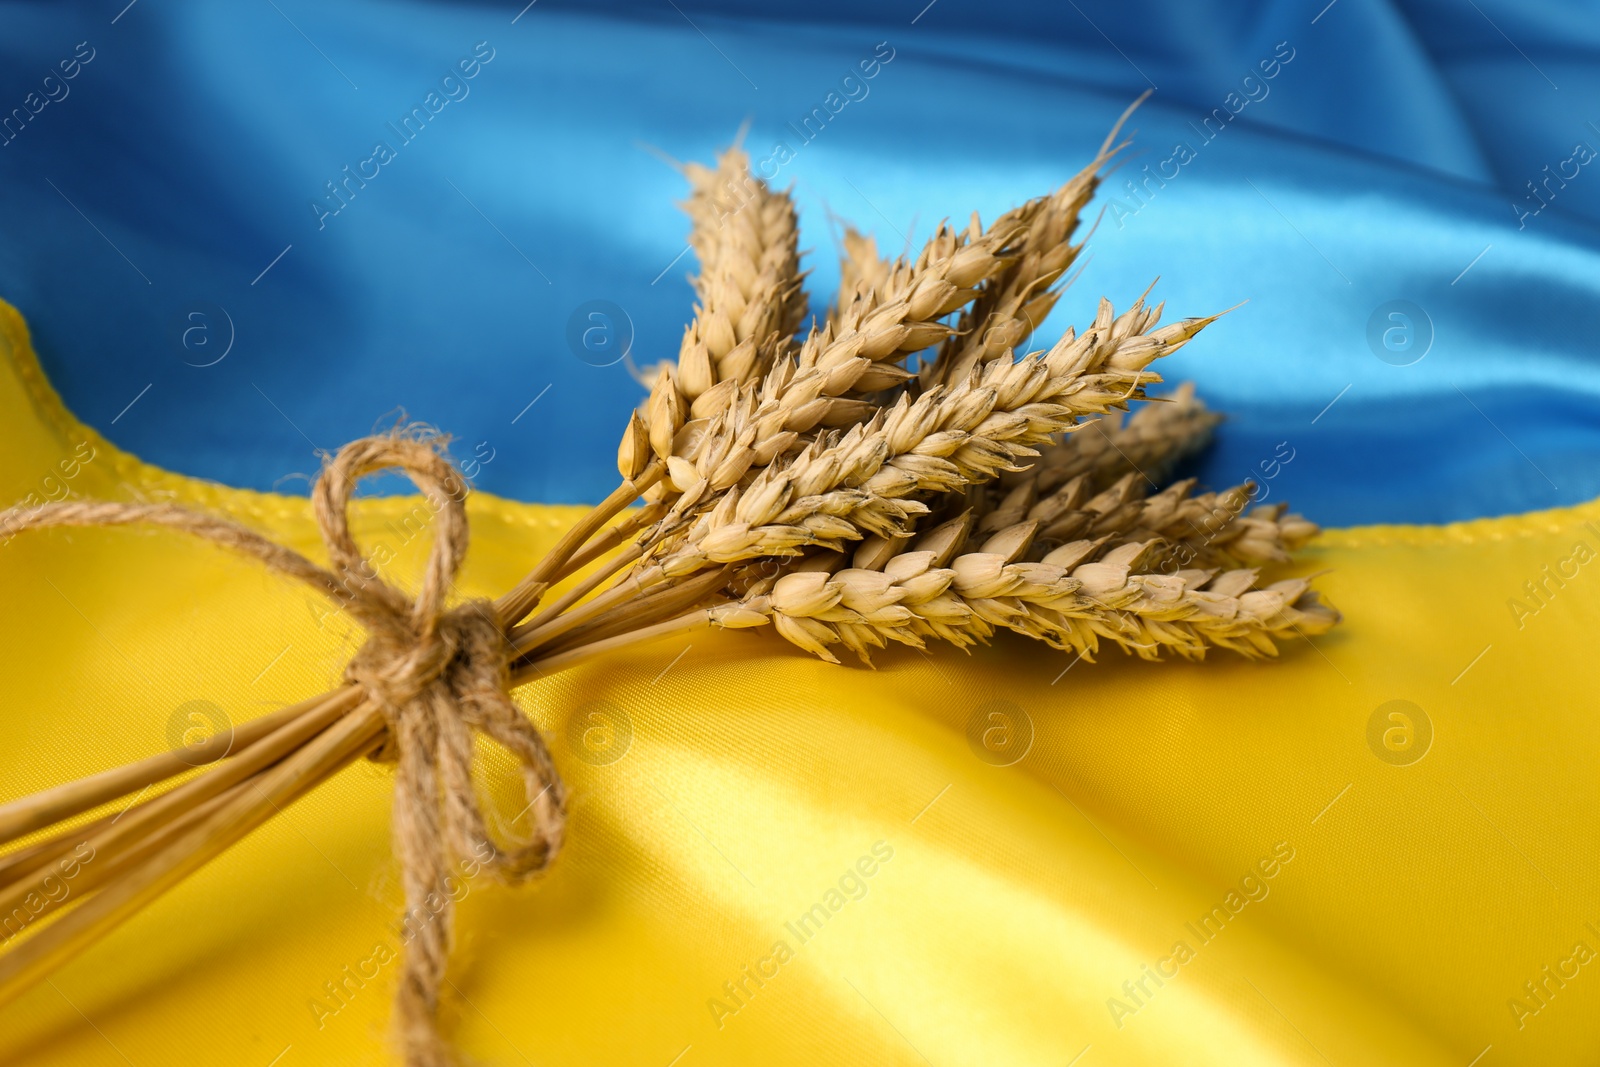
<point>516,604</point>
<point>585,587</point>
<point>614,536</point>
<point>50,806</point>
<point>728,616</point>
<point>103,863</point>
<point>525,638</point>
<point>115,903</point>
<point>29,858</point>
<point>139,819</point>
<point>660,602</point>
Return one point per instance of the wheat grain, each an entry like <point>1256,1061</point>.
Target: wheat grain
<point>750,293</point>
<point>749,287</point>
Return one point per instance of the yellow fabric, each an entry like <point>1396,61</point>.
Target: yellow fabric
<point>1407,903</point>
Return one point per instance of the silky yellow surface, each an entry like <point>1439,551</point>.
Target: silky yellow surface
<point>1016,901</point>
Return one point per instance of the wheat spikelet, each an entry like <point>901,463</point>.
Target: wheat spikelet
<point>854,355</point>
<point>897,316</point>
<point>858,352</point>
<point>1213,527</point>
<point>750,294</point>
<point>823,385</point>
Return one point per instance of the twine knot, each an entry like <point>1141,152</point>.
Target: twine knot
<point>397,664</point>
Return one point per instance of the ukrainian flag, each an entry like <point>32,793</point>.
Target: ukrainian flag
<point>235,236</point>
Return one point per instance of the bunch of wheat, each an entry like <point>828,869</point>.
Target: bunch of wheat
<point>853,487</point>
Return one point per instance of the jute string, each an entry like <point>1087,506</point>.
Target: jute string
<point>439,676</point>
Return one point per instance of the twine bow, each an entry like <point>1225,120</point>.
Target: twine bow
<point>438,676</point>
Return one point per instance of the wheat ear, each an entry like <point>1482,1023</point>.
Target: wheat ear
<point>1133,595</point>
<point>1018,297</point>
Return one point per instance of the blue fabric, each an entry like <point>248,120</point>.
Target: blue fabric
<point>1393,145</point>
